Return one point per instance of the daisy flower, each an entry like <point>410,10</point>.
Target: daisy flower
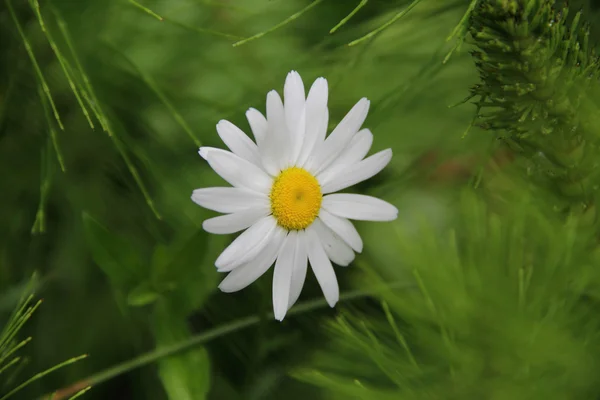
<point>281,194</point>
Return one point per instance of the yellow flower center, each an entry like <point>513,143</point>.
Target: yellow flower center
<point>295,198</point>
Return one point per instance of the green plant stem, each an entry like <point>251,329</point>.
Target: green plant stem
<point>279,25</point>
<point>384,26</point>
<point>347,17</point>
<point>146,10</point>
<point>42,374</point>
<point>205,337</point>
<point>34,62</point>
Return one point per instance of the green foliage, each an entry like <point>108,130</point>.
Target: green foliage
<point>495,293</point>
<point>186,376</point>
<point>539,73</point>
<point>10,363</point>
<point>510,277</point>
<point>489,291</point>
<point>119,260</point>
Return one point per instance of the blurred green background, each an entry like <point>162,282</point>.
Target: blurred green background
<point>104,214</point>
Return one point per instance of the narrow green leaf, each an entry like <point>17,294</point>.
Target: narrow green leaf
<point>101,115</point>
<point>386,25</point>
<point>62,60</point>
<point>146,10</point>
<point>34,62</point>
<point>347,17</point>
<point>41,375</point>
<point>279,25</point>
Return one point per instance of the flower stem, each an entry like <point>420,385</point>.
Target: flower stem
<point>205,337</point>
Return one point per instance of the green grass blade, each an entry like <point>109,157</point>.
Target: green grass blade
<point>10,364</point>
<point>387,24</point>
<point>36,66</point>
<point>39,225</point>
<point>62,61</point>
<point>154,87</point>
<point>62,26</point>
<point>52,131</point>
<point>17,314</point>
<point>279,25</point>
<point>104,120</point>
<point>41,375</point>
<point>215,333</point>
<point>202,30</point>
<point>347,17</point>
<point>146,10</point>
<point>80,393</point>
<point>10,352</point>
<point>12,332</point>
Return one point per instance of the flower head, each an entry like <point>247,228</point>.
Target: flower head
<point>281,195</point>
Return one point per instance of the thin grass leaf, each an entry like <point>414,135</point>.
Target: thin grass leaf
<point>62,61</point>
<point>18,312</point>
<point>154,87</point>
<point>59,156</point>
<point>14,327</point>
<point>145,9</point>
<point>24,362</point>
<point>21,344</point>
<point>9,364</point>
<point>202,30</point>
<point>218,332</point>
<point>379,356</point>
<point>39,225</point>
<point>41,375</point>
<point>36,67</point>
<point>460,31</point>
<point>387,24</point>
<point>399,336</point>
<point>62,26</point>
<point>279,25</point>
<point>347,17</point>
<point>429,301</point>
<point>81,393</point>
<point>52,132</point>
<point>104,120</point>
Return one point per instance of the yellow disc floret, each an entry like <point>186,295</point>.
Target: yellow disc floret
<point>295,198</point>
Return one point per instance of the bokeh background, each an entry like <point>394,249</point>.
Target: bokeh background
<point>95,187</point>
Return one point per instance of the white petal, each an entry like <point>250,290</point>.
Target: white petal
<point>300,267</point>
<point>237,171</point>
<point>294,99</point>
<point>246,246</point>
<point>322,267</point>
<point>238,142</point>
<point>343,228</point>
<point>274,149</point>
<point>343,176</point>
<point>336,249</point>
<point>229,199</point>
<point>356,150</point>
<point>359,207</point>
<point>231,223</point>
<point>317,118</point>
<point>258,124</point>
<point>245,274</point>
<point>282,276</point>
<point>340,137</point>
<point>203,151</point>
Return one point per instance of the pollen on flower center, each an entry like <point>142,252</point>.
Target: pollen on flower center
<point>295,198</point>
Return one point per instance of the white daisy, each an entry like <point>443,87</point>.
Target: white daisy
<point>281,195</point>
